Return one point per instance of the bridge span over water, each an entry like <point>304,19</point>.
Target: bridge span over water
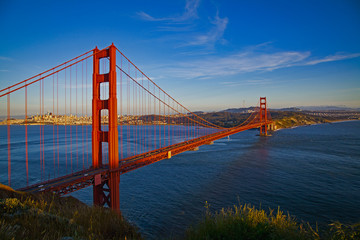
<point>133,123</point>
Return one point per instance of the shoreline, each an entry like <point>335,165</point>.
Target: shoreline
<point>315,123</point>
<point>89,124</point>
<point>340,121</point>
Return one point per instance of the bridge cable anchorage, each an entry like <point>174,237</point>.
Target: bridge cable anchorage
<point>132,113</point>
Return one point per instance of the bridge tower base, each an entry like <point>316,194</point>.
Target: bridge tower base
<point>105,188</point>
<point>263,117</point>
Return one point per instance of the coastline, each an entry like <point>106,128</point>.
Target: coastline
<point>4,123</point>
<point>349,120</point>
<point>293,120</point>
<point>319,123</point>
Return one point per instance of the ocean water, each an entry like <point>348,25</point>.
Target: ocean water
<point>312,172</point>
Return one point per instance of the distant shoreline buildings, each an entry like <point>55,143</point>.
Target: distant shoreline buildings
<point>50,119</point>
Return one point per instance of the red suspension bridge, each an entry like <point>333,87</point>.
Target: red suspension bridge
<point>97,116</point>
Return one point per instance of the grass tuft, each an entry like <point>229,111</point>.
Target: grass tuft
<point>45,216</point>
<point>246,222</point>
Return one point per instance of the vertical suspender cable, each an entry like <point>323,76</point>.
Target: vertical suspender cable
<point>41,170</point>
<point>82,115</point>
<point>71,122</point>
<point>76,120</point>
<point>8,139</point>
<point>86,128</point>
<point>26,139</point>
<point>121,113</point>
<point>43,126</point>
<point>65,126</point>
<point>57,115</point>
<point>52,118</point>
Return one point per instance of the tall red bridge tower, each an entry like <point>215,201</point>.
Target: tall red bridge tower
<point>105,192</point>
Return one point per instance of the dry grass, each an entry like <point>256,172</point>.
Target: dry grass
<point>246,222</point>
<point>45,216</point>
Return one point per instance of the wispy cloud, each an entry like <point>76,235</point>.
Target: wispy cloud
<point>190,32</point>
<point>253,82</point>
<point>213,35</point>
<point>241,62</point>
<point>258,81</point>
<point>248,60</point>
<point>335,57</point>
<point>5,58</point>
<point>190,12</point>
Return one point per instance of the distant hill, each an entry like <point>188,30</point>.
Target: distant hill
<point>239,110</point>
<point>295,109</point>
<point>290,109</point>
<point>198,112</point>
<point>249,109</point>
<point>327,108</point>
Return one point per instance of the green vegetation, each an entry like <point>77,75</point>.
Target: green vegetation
<point>225,119</point>
<point>246,222</point>
<point>293,119</point>
<point>282,119</point>
<point>44,216</point>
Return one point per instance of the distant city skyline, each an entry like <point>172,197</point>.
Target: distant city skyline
<point>209,55</point>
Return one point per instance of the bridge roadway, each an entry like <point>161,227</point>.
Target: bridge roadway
<point>78,180</point>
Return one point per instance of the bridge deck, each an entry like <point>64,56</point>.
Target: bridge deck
<point>78,180</point>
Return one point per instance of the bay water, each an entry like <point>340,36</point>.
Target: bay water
<point>312,172</point>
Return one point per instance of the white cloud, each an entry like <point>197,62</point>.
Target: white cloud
<point>335,57</point>
<point>248,60</point>
<point>5,58</point>
<point>241,62</point>
<point>258,82</point>
<point>146,16</point>
<point>190,12</point>
<point>188,29</point>
<point>211,37</point>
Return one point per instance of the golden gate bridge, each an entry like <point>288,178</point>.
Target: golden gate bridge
<point>100,95</point>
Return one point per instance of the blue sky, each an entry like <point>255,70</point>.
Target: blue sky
<point>207,54</point>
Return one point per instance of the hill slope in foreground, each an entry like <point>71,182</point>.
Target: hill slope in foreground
<point>45,216</point>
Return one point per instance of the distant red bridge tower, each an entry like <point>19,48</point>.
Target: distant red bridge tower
<point>263,116</point>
